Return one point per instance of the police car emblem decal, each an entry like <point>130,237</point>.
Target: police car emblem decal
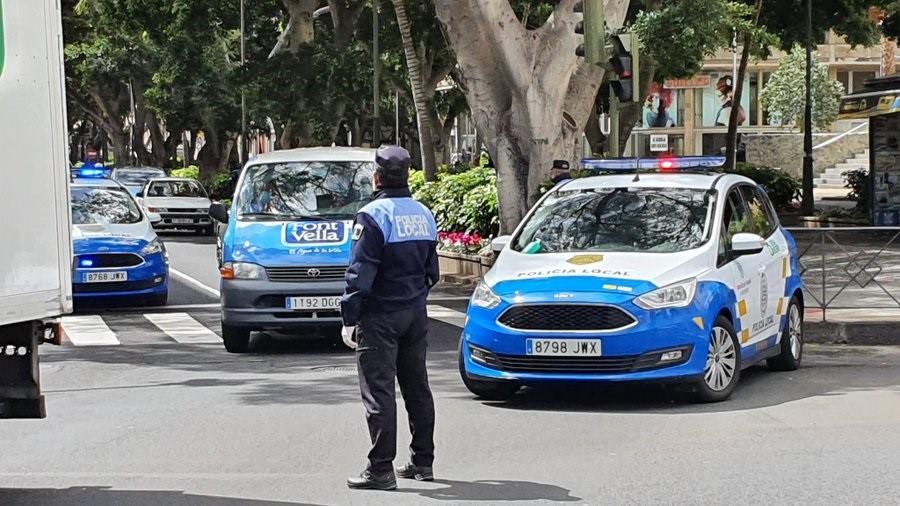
<point>585,259</point>
<point>763,292</point>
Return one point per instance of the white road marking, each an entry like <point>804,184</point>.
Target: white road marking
<point>450,316</point>
<point>195,282</point>
<point>88,331</point>
<point>182,328</point>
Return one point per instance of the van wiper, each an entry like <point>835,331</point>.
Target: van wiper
<point>284,217</point>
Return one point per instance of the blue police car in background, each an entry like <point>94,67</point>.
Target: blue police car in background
<point>286,247</point>
<point>117,254</point>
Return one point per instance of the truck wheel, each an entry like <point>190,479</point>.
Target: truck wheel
<point>237,340</point>
<point>791,341</point>
<point>487,390</point>
<point>723,363</point>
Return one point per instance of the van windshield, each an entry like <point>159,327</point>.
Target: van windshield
<point>310,190</point>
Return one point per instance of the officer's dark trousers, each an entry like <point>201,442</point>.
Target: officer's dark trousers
<point>393,345</point>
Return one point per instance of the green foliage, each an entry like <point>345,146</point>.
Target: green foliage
<point>783,189</point>
<point>465,202</point>
<point>784,96</point>
<point>192,172</point>
<point>683,33</point>
<point>858,182</point>
<point>221,186</point>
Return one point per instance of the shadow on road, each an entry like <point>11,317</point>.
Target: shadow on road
<point>495,491</point>
<point>103,496</point>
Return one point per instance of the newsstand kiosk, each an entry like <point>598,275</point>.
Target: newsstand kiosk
<point>879,102</point>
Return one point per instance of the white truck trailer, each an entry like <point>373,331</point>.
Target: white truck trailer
<point>35,220</point>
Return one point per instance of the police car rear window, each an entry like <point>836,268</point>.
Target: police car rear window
<point>660,220</point>
<point>112,206</point>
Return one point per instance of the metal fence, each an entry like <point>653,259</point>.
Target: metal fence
<point>851,269</point>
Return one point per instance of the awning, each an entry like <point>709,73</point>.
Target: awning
<point>866,105</point>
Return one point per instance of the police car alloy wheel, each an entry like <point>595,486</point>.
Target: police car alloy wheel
<point>791,340</point>
<point>723,363</point>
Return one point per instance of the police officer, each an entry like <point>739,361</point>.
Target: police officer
<point>560,171</point>
<point>393,266</point>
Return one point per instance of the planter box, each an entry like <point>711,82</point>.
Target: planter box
<point>824,222</point>
<point>462,267</point>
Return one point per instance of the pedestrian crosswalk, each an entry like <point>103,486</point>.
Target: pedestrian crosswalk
<point>194,326</point>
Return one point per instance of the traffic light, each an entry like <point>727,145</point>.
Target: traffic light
<point>593,28</point>
<point>622,64</point>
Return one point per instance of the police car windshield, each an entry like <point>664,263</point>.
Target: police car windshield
<point>619,220</point>
<point>175,189</point>
<point>305,190</point>
<point>137,177</point>
<point>108,206</point>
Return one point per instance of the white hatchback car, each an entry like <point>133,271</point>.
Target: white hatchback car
<point>181,202</point>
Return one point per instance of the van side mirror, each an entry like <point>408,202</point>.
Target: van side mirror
<point>746,244</point>
<point>139,194</point>
<point>218,212</point>
<point>498,243</point>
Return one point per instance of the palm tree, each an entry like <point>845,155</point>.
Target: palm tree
<point>426,139</point>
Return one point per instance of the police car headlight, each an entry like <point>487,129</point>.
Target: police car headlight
<point>242,270</point>
<point>153,247</point>
<point>678,294</point>
<point>484,297</point>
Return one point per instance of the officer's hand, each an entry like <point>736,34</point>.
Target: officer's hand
<point>349,336</point>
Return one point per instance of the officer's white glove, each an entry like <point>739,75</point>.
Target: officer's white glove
<point>348,334</point>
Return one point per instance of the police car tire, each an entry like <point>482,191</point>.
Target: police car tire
<point>236,339</point>
<point>703,392</point>
<point>785,360</point>
<point>487,390</point>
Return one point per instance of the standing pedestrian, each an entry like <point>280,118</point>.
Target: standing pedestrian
<point>560,171</point>
<point>392,267</point>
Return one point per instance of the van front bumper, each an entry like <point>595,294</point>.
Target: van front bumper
<point>261,304</point>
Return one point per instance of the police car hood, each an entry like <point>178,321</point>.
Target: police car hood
<point>177,202</point>
<point>632,273</point>
<point>293,243</point>
<point>111,238</point>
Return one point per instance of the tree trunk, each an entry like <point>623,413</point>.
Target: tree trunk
<point>119,143</point>
<point>420,100</point>
<point>299,29</point>
<point>158,146</point>
<point>731,136</point>
<point>530,95</point>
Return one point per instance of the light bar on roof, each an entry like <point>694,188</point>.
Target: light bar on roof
<point>666,163</point>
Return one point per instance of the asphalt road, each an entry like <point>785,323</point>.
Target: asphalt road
<point>175,423</point>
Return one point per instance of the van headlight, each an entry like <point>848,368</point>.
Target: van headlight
<point>484,297</point>
<point>242,270</point>
<point>153,247</point>
<point>678,294</point>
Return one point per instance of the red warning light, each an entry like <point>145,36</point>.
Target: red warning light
<point>666,164</point>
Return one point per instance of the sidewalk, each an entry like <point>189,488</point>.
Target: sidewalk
<point>853,326</point>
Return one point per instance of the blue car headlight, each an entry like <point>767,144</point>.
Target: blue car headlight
<point>153,247</point>
<point>485,298</point>
<point>679,294</point>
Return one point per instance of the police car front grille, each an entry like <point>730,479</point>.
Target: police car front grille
<point>303,274</point>
<point>586,365</point>
<point>120,286</point>
<point>110,260</point>
<point>565,317</point>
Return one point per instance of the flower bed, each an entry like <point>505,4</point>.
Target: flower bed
<point>462,256</point>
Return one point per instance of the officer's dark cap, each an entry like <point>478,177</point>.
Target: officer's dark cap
<point>392,164</point>
<point>561,164</point>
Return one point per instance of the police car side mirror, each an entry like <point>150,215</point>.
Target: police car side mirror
<point>154,218</point>
<point>498,243</point>
<point>218,212</point>
<point>746,244</point>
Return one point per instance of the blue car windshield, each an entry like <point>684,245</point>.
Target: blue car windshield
<point>323,190</point>
<point>660,220</point>
<point>109,206</point>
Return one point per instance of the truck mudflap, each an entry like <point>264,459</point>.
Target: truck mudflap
<point>20,382</point>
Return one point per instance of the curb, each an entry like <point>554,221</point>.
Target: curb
<point>456,279</point>
<point>856,333</point>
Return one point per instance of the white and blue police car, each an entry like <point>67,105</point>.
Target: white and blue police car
<point>286,246</point>
<point>118,257</point>
<point>665,272</point>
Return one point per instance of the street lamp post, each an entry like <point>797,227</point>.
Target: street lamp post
<point>808,205</point>
<point>243,95</point>
<point>376,64</point>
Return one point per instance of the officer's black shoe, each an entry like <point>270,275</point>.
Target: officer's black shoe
<point>372,481</point>
<point>414,472</point>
